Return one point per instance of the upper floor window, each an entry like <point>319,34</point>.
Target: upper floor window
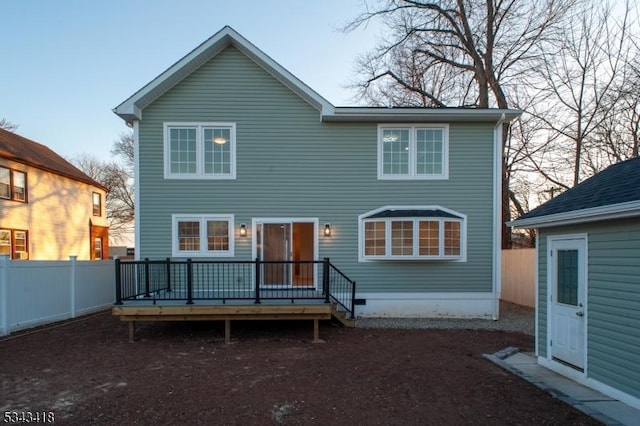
<point>14,243</point>
<point>202,235</point>
<point>97,204</point>
<point>200,150</point>
<point>413,152</point>
<point>13,184</point>
<point>429,233</point>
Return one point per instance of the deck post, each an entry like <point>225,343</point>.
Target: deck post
<point>325,279</point>
<point>132,330</point>
<point>257,283</point>
<point>118,283</point>
<point>353,301</point>
<point>147,279</point>
<point>168,274</point>
<point>227,331</point>
<point>316,332</point>
<point>189,282</point>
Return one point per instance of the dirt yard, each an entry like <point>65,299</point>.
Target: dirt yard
<point>86,372</point>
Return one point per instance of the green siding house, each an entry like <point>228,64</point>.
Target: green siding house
<point>237,159</point>
<point>588,285</point>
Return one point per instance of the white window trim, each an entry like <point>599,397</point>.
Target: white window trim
<point>412,151</point>
<point>199,174</point>
<point>203,252</point>
<point>461,218</point>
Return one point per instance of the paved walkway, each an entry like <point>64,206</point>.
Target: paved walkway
<point>597,405</point>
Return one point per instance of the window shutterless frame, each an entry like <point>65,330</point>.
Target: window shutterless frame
<point>202,150</point>
<point>424,233</point>
<point>15,243</point>
<point>97,204</point>
<point>202,235</point>
<point>413,151</point>
<point>13,184</point>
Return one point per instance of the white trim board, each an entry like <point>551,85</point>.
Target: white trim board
<point>426,305</point>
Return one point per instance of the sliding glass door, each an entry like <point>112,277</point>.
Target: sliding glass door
<point>288,249</point>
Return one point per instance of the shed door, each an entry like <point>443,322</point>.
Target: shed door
<point>567,259</point>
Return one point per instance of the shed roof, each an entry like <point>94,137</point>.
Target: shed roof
<point>612,193</point>
<point>22,150</point>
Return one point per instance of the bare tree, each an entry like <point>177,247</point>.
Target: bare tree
<point>124,148</point>
<point>619,132</point>
<point>457,53</point>
<point>584,97</point>
<point>7,125</point>
<point>119,202</point>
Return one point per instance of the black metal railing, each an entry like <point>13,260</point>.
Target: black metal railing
<point>227,280</point>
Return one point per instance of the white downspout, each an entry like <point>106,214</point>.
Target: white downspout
<point>136,185</point>
<point>497,218</point>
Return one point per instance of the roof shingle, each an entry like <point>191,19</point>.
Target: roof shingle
<point>22,150</point>
<point>619,183</point>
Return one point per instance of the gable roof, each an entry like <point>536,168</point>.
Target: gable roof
<point>131,109</point>
<point>22,150</point>
<point>612,193</point>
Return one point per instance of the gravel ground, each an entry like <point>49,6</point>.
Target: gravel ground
<point>512,318</point>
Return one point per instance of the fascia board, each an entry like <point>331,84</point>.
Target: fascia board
<point>347,114</point>
<point>614,211</point>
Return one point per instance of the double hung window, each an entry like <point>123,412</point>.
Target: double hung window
<point>14,243</point>
<point>413,152</point>
<point>13,184</point>
<point>200,150</point>
<point>202,235</point>
<point>97,204</point>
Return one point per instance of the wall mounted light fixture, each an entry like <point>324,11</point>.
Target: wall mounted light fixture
<point>243,230</point>
<point>327,229</point>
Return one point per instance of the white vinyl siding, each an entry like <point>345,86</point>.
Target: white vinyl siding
<point>202,235</point>
<point>413,152</point>
<point>200,150</point>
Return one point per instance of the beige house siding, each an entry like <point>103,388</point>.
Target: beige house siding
<point>58,215</point>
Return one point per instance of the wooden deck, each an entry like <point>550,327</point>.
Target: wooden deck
<point>135,311</point>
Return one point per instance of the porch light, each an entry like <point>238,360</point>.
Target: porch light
<point>243,230</point>
<point>327,229</point>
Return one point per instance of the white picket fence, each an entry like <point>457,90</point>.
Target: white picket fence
<point>36,292</point>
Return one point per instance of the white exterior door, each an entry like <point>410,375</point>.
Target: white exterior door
<point>567,314</point>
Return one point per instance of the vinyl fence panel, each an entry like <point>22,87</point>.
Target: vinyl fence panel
<point>40,292</point>
<point>518,276</point>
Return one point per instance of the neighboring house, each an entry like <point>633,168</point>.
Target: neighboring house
<point>588,285</point>
<point>49,210</point>
<point>237,159</point>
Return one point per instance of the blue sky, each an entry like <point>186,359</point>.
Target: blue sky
<point>66,64</point>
